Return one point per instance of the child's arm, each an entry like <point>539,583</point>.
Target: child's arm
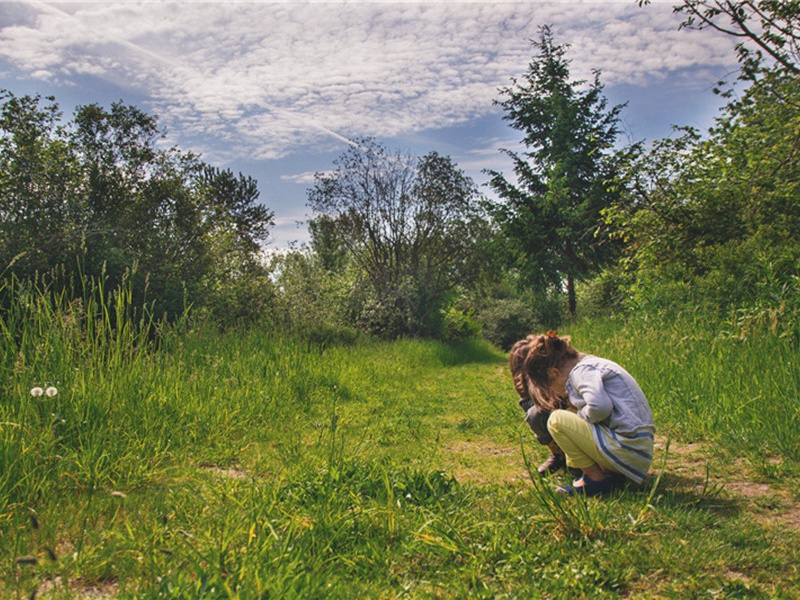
<point>593,403</point>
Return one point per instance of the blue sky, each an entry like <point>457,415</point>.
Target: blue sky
<point>273,89</point>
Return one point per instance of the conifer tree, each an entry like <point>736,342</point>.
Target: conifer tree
<point>550,211</point>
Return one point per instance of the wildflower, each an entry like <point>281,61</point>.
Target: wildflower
<point>36,391</point>
<point>51,391</point>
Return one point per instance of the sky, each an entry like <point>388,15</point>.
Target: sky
<point>275,89</point>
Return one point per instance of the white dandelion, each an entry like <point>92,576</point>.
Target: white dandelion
<point>36,391</point>
<point>51,391</point>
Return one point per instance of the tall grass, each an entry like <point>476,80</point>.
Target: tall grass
<point>46,340</point>
<point>178,462</point>
<point>741,395</point>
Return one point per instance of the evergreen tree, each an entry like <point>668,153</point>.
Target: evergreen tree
<point>550,214</point>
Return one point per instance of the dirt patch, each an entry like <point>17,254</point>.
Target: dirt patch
<point>482,447</point>
<point>78,589</point>
<point>749,489</point>
<point>484,462</point>
<point>732,575</point>
<point>227,473</point>
<point>790,518</point>
<point>690,469</point>
<point>690,473</point>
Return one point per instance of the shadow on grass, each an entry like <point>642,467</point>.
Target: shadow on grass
<point>693,492</point>
<point>468,352</point>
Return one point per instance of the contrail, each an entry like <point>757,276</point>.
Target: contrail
<point>135,47</point>
<point>286,115</point>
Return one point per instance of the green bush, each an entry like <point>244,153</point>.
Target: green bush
<point>606,294</point>
<point>331,335</point>
<point>505,321</point>
<point>459,326</point>
<point>313,303</point>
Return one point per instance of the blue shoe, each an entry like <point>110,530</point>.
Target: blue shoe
<point>591,487</point>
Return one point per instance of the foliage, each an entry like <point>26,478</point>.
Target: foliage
<point>314,303</point>
<point>40,175</point>
<point>711,223</point>
<point>768,31</point>
<point>459,326</point>
<point>607,294</point>
<point>406,224</point>
<point>98,197</point>
<point>505,321</point>
<point>551,214</point>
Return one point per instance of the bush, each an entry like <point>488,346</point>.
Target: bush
<point>458,326</point>
<point>606,294</point>
<point>331,335</point>
<point>247,299</point>
<point>313,302</point>
<point>505,321</point>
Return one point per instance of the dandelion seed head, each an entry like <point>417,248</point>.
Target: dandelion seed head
<point>51,391</point>
<point>36,391</point>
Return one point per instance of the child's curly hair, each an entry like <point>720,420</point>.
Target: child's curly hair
<point>529,360</point>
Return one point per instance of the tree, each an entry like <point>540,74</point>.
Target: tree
<point>551,214</point>
<point>231,204</point>
<point>39,178</point>
<point>768,31</point>
<point>141,209</point>
<point>404,221</point>
<point>712,221</point>
<point>236,285</point>
<point>99,197</point>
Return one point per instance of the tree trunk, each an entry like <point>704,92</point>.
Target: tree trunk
<point>571,295</point>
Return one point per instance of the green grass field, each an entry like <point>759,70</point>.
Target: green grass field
<point>247,465</point>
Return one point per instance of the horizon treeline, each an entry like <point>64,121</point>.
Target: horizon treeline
<point>702,226</point>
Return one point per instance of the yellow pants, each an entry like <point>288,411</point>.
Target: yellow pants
<point>574,436</point>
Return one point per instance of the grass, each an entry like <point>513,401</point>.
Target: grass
<point>248,465</point>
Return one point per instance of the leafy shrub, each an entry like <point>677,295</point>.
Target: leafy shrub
<point>331,335</point>
<point>605,294</point>
<point>384,319</point>
<point>505,321</point>
<point>246,299</point>
<point>314,303</point>
<point>459,326</point>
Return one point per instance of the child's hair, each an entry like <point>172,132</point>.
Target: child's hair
<point>529,361</point>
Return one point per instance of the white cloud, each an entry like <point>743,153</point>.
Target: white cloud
<point>306,178</point>
<point>264,79</point>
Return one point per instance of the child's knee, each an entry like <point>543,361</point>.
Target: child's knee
<point>537,418</point>
<point>556,420</point>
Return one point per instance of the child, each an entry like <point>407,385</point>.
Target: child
<point>535,416</point>
<point>607,429</point>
